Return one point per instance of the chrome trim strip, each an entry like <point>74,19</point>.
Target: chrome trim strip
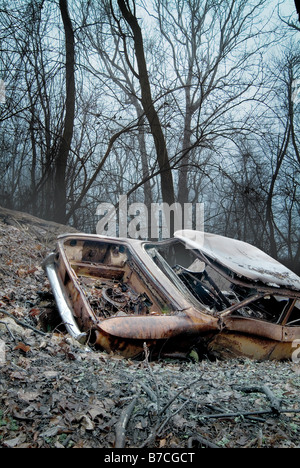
<point>63,307</point>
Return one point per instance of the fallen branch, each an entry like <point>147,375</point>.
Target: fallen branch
<point>245,414</point>
<point>274,401</point>
<point>202,441</point>
<point>146,351</point>
<point>9,331</point>
<point>22,324</point>
<point>178,393</point>
<point>160,424</point>
<point>149,392</point>
<point>122,424</point>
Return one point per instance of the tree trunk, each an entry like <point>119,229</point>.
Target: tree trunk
<point>183,189</point>
<point>167,186</point>
<point>269,209</point>
<point>60,189</point>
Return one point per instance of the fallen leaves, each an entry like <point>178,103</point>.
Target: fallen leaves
<point>60,403</point>
<point>27,397</point>
<point>22,347</point>
<point>87,423</point>
<point>55,393</point>
<point>17,442</point>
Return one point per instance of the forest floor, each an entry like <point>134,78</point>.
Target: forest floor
<point>57,393</point>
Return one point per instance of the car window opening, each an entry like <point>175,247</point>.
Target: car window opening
<point>196,276</point>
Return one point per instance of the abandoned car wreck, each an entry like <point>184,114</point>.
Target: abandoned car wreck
<point>219,296</point>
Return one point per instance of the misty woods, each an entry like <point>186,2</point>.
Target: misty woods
<point>175,102</point>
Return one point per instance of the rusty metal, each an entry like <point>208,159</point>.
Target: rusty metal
<point>120,293</point>
<point>288,313</point>
<point>235,345</point>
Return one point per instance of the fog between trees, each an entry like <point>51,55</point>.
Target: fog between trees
<point>193,101</point>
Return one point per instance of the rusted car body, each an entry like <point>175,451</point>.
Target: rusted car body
<point>200,291</point>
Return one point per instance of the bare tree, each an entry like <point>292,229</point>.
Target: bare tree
<point>60,187</point>
<point>105,40</point>
<point>215,51</point>
<point>129,14</point>
<point>195,77</point>
<point>29,107</point>
<point>286,163</point>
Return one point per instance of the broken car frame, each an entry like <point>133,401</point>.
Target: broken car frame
<point>200,291</point>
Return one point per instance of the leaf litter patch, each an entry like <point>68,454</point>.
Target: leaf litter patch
<point>57,393</point>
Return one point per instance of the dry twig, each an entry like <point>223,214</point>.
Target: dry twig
<point>202,441</point>
<point>22,324</point>
<point>160,424</point>
<point>9,331</point>
<point>246,413</point>
<point>274,401</point>
<point>146,350</point>
<point>179,393</point>
<point>122,424</point>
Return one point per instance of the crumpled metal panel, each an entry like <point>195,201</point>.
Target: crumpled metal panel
<point>232,345</point>
<point>241,258</point>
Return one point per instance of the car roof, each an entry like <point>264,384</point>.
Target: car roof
<point>241,258</point>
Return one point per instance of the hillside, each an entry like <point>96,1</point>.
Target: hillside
<point>57,393</point>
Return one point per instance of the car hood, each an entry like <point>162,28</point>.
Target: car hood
<point>241,258</point>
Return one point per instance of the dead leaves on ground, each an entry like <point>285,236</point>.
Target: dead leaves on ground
<point>22,347</point>
<point>59,394</point>
<point>56,393</point>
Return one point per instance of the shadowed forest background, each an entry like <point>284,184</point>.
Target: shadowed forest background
<point>163,100</point>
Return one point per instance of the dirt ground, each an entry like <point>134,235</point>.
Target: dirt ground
<point>57,393</point>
